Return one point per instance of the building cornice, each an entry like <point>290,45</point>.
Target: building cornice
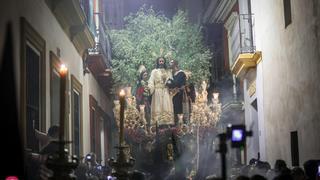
<point>209,11</point>
<point>221,12</point>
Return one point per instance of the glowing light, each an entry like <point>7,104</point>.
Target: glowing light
<point>215,95</point>
<point>12,178</point>
<point>122,93</point>
<point>237,135</point>
<point>63,69</point>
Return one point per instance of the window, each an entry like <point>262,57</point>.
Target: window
<point>94,127</point>
<point>294,148</point>
<point>32,83</point>
<point>99,136</point>
<point>107,135</point>
<point>54,89</point>
<point>76,113</point>
<point>55,96</point>
<point>254,104</point>
<point>287,12</point>
<point>33,93</point>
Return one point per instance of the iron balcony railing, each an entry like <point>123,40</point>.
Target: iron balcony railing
<point>87,8</point>
<point>247,41</point>
<point>242,37</point>
<point>102,42</point>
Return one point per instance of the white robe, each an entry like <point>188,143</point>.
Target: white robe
<point>161,105</point>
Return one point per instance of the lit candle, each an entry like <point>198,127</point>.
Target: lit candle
<point>215,95</point>
<point>63,79</point>
<point>180,117</point>
<point>122,100</point>
<point>142,106</point>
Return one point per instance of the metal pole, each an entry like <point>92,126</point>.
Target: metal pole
<point>223,152</point>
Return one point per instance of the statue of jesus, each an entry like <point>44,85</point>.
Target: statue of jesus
<point>161,104</point>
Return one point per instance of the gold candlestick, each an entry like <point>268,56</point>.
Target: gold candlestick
<point>63,79</point>
<point>124,161</point>
<point>122,100</point>
<point>62,165</point>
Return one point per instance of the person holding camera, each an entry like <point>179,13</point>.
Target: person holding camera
<point>37,168</point>
<point>94,169</point>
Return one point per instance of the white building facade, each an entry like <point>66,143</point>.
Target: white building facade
<point>273,48</point>
<point>287,85</point>
<point>47,34</point>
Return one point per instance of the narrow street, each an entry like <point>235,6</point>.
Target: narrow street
<point>160,89</point>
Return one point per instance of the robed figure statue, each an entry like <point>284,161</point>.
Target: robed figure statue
<point>161,104</point>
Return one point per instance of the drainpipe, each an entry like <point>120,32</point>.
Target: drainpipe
<point>235,98</point>
<point>250,25</point>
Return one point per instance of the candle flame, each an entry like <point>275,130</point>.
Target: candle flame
<point>122,93</point>
<point>63,69</point>
<point>215,95</point>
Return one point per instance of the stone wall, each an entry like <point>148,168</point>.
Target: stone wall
<point>289,72</point>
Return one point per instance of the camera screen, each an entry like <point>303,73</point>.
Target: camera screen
<point>237,135</point>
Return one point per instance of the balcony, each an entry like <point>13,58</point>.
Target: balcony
<point>242,50</point>
<point>73,21</point>
<point>102,44</point>
<point>99,57</point>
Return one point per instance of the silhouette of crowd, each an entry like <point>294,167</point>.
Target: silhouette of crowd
<point>261,170</point>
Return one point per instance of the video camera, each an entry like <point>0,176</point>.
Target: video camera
<point>238,135</point>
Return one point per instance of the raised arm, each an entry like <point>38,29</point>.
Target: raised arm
<point>42,137</point>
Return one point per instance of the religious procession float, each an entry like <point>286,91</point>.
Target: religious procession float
<point>164,151</point>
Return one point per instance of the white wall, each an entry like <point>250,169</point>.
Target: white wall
<point>43,21</point>
<point>289,84</point>
<point>259,94</point>
<point>251,122</point>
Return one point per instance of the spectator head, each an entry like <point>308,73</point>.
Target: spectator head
<point>258,177</point>
<point>283,177</point>
<point>252,161</point>
<point>90,158</point>
<point>297,173</point>
<point>311,168</point>
<point>53,131</point>
<point>242,178</point>
<point>262,167</point>
<point>245,170</point>
<point>137,175</point>
<point>280,165</point>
